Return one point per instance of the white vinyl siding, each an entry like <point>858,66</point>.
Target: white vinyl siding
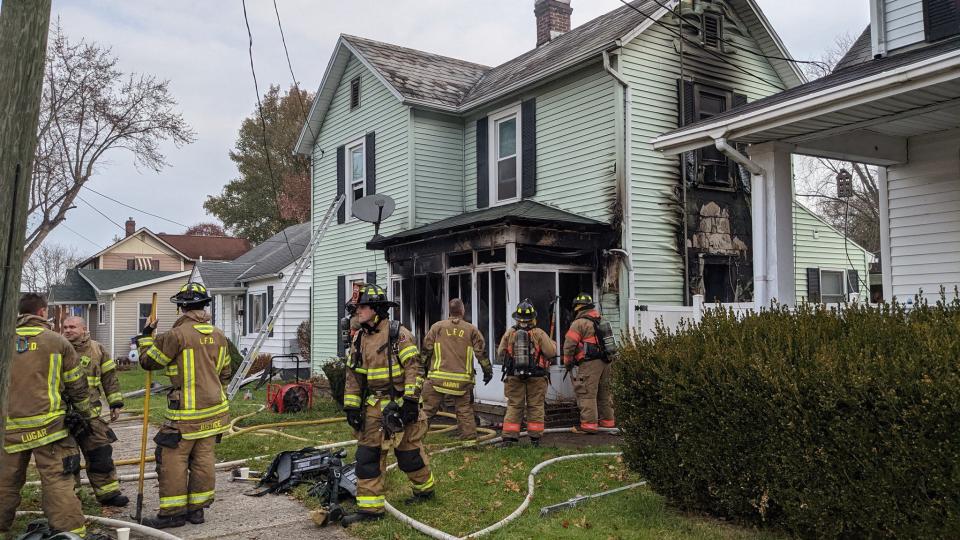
<point>924,210</point>
<point>438,158</point>
<point>904,23</point>
<point>343,249</point>
<point>818,245</point>
<point>296,311</point>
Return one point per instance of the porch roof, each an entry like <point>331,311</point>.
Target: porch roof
<point>863,112</point>
<point>526,212</point>
<point>73,290</point>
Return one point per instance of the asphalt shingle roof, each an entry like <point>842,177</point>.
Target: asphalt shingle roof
<point>214,248</point>
<point>270,257</point>
<point>451,83</point>
<point>105,280</point>
<point>519,213</point>
<point>74,289</point>
<point>861,51</point>
<point>837,78</point>
<point>219,274</point>
<point>419,75</point>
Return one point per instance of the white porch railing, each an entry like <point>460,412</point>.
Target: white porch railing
<point>672,316</point>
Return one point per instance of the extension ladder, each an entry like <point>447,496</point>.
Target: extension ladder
<point>302,263</point>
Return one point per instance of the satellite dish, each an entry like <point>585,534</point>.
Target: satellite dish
<point>373,209</point>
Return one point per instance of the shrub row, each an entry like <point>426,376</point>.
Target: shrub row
<point>819,422</point>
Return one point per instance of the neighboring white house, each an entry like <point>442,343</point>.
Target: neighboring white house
<point>893,102</point>
<point>244,290</point>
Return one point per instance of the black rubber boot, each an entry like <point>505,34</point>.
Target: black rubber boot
<point>359,517</point>
<point>535,442</point>
<point>195,516</point>
<point>507,443</point>
<point>165,522</point>
<point>419,497</point>
<point>118,499</point>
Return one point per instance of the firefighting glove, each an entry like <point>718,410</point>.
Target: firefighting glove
<point>77,425</point>
<point>487,375</point>
<point>148,330</point>
<point>355,419</point>
<point>410,411</point>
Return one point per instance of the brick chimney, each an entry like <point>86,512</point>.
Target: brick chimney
<point>553,19</point>
<point>131,226</point>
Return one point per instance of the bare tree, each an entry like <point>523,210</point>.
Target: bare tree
<point>89,109</point>
<point>205,229</point>
<point>48,266</point>
<point>858,216</point>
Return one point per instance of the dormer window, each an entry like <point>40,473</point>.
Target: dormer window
<point>941,19</point>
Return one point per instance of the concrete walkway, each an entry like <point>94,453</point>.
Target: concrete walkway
<point>233,515</point>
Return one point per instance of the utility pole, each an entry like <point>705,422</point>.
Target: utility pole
<point>23,49</point>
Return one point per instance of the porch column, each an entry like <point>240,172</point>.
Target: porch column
<point>772,199</point>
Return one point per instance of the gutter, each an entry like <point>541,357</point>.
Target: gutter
<point>758,188</point>
<point>885,84</point>
<point>626,240</point>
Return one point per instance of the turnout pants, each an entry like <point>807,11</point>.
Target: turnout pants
<point>59,466</point>
<point>524,395</point>
<point>186,472</point>
<point>466,421</point>
<point>98,455</point>
<point>371,458</point>
<point>592,385</point>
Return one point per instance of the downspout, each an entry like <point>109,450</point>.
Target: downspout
<point>113,326</point>
<point>759,217</point>
<point>627,233</point>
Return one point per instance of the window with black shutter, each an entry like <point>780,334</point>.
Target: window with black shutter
<point>714,168</point>
<point>941,19</point>
<point>270,304</point>
<point>355,93</point>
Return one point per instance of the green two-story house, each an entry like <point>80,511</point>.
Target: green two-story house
<point>537,178</point>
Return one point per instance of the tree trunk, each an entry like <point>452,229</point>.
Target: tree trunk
<point>23,49</point>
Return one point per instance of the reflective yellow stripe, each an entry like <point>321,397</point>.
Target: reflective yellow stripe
<point>424,486</point>
<point>95,411</point>
<point>222,359</point>
<point>73,374</point>
<point>200,498</point>
<point>203,328</point>
<point>189,381</point>
<point>145,341</point>
<point>206,433</point>
<point>351,400</point>
<point>173,502</point>
<point>447,376</point>
<point>53,382</point>
<point>80,531</point>
<point>157,355</point>
<point>470,361</point>
<point>408,352</point>
<point>172,370</point>
<point>448,391</point>
<point>107,488</point>
<point>197,414</point>
<point>114,397</point>
<point>410,390</point>
<point>93,381</point>
<point>381,373</point>
<point>30,331</point>
<point>83,405</point>
<point>436,356</point>
<point>107,366</point>
<point>52,437</point>
<point>29,422</point>
<point>370,502</point>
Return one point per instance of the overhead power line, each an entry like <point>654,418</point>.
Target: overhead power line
<point>108,218</point>
<point>121,203</point>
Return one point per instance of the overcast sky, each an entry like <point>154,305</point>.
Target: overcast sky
<point>201,47</point>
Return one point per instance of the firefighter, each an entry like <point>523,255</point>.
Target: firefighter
<point>196,357</point>
<point>582,349</point>
<point>101,372</point>
<point>382,402</point>
<point>454,343</point>
<point>45,377</point>
<point>526,353</point>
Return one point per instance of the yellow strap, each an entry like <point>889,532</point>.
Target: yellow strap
<point>197,414</point>
<point>41,441</point>
<point>30,422</point>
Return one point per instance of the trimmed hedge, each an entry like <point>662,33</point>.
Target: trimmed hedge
<point>820,423</point>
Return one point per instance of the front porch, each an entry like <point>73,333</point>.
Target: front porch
<point>900,114</point>
<point>492,259</point>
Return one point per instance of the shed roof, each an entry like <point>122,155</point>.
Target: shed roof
<point>525,212</point>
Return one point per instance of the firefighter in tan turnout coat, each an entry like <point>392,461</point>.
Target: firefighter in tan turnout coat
<point>195,355</point>
<point>450,348</point>
<point>45,377</point>
<point>382,402</point>
<point>101,373</point>
<point>583,349</point>
<point>526,352</point>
